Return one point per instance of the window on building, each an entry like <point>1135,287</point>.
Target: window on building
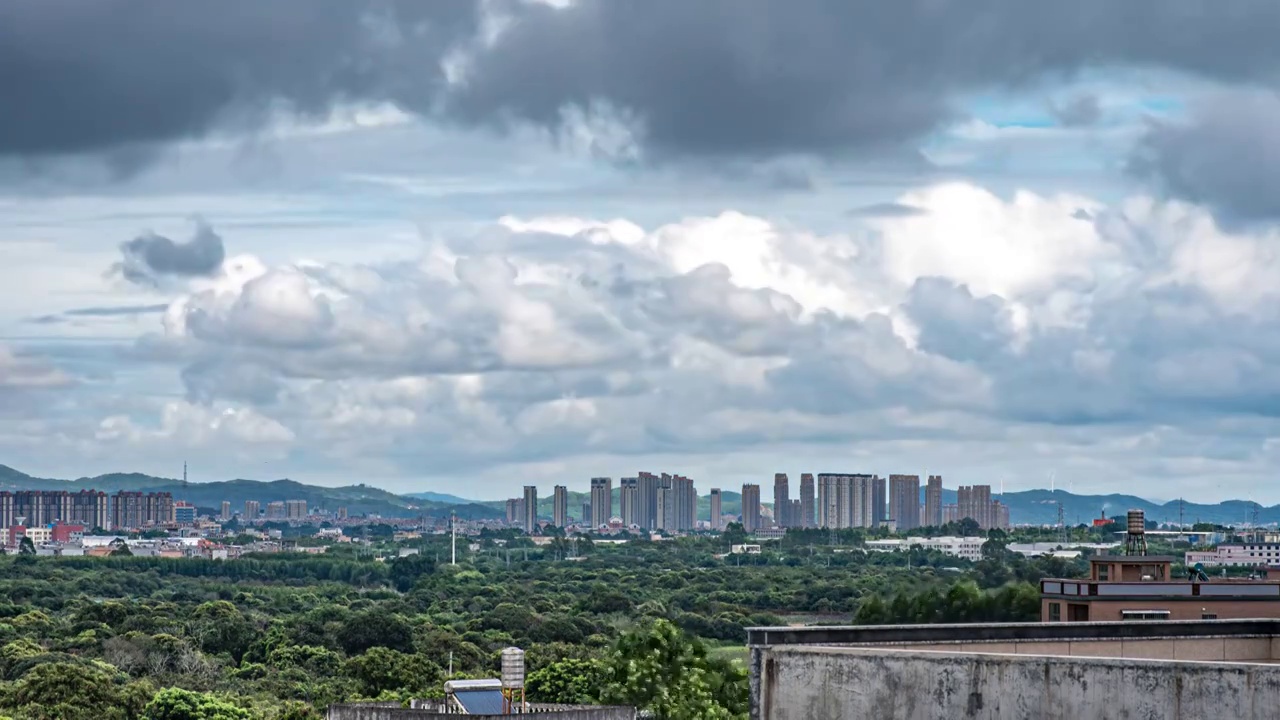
<point>1104,572</point>
<point>1144,614</point>
<point>1208,616</point>
<point>1055,612</point>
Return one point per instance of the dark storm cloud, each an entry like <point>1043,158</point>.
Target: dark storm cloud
<point>1226,156</point>
<point>767,76</point>
<point>118,75</point>
<point>707,78</point>
<point>150,257</point>
<point>1077,112</point>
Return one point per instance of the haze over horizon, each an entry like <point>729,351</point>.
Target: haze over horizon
<point>466,246</point>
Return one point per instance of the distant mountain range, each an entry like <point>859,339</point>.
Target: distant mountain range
<point>1041,507</point>
<point>357,499</point>
<point>1037,507</point>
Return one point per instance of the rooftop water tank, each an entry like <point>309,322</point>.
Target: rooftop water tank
<point>1137,522</point>
<point>512,668</point>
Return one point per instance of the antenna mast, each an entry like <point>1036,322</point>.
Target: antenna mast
<point>453,526</point>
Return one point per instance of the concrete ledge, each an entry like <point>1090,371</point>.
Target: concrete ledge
<point>814,683</point>
<point>994,632</point>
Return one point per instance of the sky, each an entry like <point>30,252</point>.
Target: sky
<point>467,246</point>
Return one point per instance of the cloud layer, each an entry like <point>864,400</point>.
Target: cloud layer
<point>541,340</point>
<point>119,76</point>
<point>714,78</point>
<point>1226,155</point>
<point>843,233</point>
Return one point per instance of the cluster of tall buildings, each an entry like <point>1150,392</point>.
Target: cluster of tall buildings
<point>90,508</point>
<point>829,500</point>
<point>276,510</point>
<point>840,501</point>
<point>647,501</point>
<point>974,501</point>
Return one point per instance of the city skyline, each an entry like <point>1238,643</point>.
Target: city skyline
<point>836,501</point>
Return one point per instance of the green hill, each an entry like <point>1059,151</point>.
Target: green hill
<point>357,499</point>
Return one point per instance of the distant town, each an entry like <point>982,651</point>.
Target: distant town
<point>894,513</point>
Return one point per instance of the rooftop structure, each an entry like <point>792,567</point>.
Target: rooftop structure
<point>1138,586</point>
<point>1142,587</point>
<point>1175,670</point>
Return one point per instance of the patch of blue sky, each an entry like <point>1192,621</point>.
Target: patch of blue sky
<point>1010,111</point>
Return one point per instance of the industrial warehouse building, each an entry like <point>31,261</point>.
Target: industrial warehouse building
<point>1098,670</point>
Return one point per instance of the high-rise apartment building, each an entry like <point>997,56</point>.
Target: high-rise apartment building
<point>666,506</point>
<point>295,509</point>
<point>864,501</point>
<point>975,502</point>
<point>806,501</point>
<point>781,500</point>
<point>276,510</point>
<point>89,508</point>
<point>601,501</point>
<point>560,506</point>
<point>132,510</point>
<point>879,498</point>
<point>627,488</point>
<point>950,513</point>
<point>225,513</point>
<point>850,501</point>
<point>1001,515</point>
<point>530,509</point>
<point>252,509</point>
<point>750,507</point>
<point>586,511</point>
<point>184,513</point>
<point>686,502</point>
<point>646,510</point>
<point>515,515</point>
<point>933,501</point>
<point>716,513</point>
<point>904,501</point>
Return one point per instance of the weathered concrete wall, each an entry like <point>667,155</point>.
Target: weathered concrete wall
<point>1219,649</point>
<point>373,712</point>
<point>815,683</point>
